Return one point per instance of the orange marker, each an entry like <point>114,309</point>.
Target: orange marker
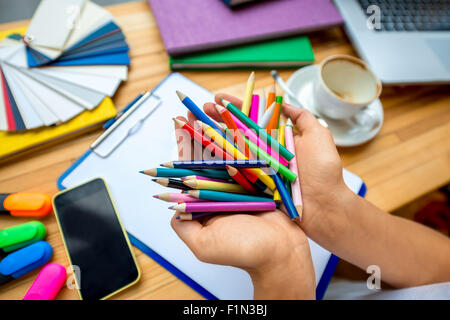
<point>24,204</point>
<point>271,96</point>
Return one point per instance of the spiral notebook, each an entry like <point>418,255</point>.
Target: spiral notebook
<point>144,138</point>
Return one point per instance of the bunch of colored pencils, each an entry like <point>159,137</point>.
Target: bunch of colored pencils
<point>255,167</point>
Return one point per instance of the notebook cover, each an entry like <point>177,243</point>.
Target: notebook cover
<point>290,52</point>
<point>16,142</point>
<point>194,25</point>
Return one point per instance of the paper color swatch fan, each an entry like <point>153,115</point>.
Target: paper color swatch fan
<point>71,57</point>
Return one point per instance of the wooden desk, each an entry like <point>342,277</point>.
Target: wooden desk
<point>409,157</point>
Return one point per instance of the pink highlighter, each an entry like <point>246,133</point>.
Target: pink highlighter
<point>48,283</point>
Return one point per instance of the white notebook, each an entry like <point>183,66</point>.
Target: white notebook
<point>145,139</point>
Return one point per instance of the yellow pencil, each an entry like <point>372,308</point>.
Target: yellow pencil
<point>248,94</point>
<point>214,185</point>
<point>231,149</point>
<point>276,195</point>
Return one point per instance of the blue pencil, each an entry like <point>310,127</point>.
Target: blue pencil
<point>198,113</point>
<point>226,196</point>
<point>218,164</point>
<point>285,197</point>
<point>178,173</point>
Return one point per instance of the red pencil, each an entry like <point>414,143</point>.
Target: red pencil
<point>212,147</point>
<point>239,140</point>
<point>239,178</point>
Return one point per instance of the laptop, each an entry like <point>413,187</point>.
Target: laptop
<point>403,41</point>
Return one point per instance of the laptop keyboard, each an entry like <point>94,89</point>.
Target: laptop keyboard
<point>411,15</point>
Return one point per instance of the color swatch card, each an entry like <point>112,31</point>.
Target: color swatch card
<point>69,59</point>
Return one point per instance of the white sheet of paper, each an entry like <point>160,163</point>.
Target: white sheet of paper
<point>85,97</point>
<point>30,117</point>
<point>46,115</point>
<point>148,219</point>
<point>60,105</point>
<point>53,22</point>
<point>18,58</point>
<point>103,85</point>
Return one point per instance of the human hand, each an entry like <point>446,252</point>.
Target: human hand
<point>268,245</point>
<point>324,192</point>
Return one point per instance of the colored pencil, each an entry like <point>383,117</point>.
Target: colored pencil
<point>218,164</point>
<point>178,173</point>
<point>203,178</point>
<point>197,112</point>
<point>254,108</point>
<point>212,147</point>
<point>261,133</point>
<point>271,161</point>
<point>193,216</point>
<point>240,179</point>
<point>286,198</point>
<point>223,206</point>
<point>212,185</point>
<point>236,133</point>
<point>226,196</point>
<point>273,123</point>
<point>262,105</point>
<point>177,197</point>
<point>249,133</point>
<point>231,149</point>
<point>295,185</point>
<point>271,95</point>
<point>247,101</point>
<point>264,121</point>
<point>171,183</point>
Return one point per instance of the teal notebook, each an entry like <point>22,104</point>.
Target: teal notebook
<point>281,53</point>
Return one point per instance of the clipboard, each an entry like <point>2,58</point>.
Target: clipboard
<point>125,146</point>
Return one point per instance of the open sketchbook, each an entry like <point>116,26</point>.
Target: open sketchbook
<point>144,140</point>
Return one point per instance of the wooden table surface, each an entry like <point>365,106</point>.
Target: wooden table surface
<point>408,158</point>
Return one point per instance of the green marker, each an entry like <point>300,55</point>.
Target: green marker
<point>22,235</point>
<point>259,131</point>
<point>261,154</point>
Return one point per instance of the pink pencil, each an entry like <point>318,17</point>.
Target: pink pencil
<point>177,197</point>
<point>204,178</point>
<point>224,206</point>
<point>253,137</point>
<point>254,108</point>
<point>295,185</point>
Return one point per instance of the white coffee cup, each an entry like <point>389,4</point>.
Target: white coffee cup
<point>344,86</point>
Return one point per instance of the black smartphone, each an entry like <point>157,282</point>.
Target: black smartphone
<point>95,240</point>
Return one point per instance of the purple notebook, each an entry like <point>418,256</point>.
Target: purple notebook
<point>195,25</point>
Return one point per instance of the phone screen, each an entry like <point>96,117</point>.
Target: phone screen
<point>95,240</point>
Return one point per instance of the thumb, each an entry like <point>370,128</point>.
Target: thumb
<point>188,231</point>
<point>302,118</point>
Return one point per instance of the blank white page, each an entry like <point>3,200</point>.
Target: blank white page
<point>148,219</point>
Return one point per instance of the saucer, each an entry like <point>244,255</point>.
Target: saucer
<point>344,132</point>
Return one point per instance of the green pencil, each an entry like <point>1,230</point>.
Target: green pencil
<point>259,131</point>
<point>261,154</point>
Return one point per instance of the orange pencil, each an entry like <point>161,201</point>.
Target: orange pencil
<point>273,123</point>
<point>239,178</point>
<point>238,139</point>
<point>271,96</point>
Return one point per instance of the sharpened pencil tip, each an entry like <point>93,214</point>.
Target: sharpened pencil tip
<point>171,207</point>
<point>252,76</point>
<point>142,171</point>
<point>181,95</point>
<point>178,217</point>
<point>156,196</point>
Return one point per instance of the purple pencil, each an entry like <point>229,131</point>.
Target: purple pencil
<point>203,178</point>
<point>224,206</point>
<point>254,109</point>
<point>176,197</point>
<point>194,216</point>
